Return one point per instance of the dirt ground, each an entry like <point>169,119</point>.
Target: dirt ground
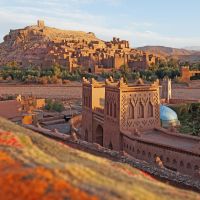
<point>74,91</point>
<point>71,91</point>
<point>186,93</point>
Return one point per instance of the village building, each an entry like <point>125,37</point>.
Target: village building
<point>44,47</point>
<point>186,74</point>
<point>129,118</point>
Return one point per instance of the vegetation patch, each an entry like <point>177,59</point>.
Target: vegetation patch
<point>189,116</point>
<point>54,105</point>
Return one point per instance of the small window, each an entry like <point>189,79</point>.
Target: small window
<point>168,160</point>
<point>181,164</point>
<point>174,162</point>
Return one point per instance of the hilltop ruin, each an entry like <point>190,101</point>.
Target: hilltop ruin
<point>42,46</point>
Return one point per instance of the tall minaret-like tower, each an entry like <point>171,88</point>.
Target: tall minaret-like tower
<point>166,89</point>
<point>40,24</point>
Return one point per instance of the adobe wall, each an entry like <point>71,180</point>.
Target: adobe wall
<point>97,121</point>
<point>186,74</point>
<point>179,101</point>
<point>98,97</point>
<point>138,65</point>
<point>166,89</point>
<point>119,60</point>
<point>186,93</point>
<point>175,160</point>
<point>10,109</point>
<point>112,134</point>
<point>87,113</point>
<point>139,108</point>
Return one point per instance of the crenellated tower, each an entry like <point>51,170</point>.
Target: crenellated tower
<point>111,109</point>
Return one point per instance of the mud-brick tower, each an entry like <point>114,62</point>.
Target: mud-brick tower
<point>112,136</point>
<point>166,89</point>
<point>113,109</point>
<point>93,95</point>
<point>129,109</point>
<point>139,107</point>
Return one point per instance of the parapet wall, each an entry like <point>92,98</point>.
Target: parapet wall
<point>173,159</point>
<point>179,101</point>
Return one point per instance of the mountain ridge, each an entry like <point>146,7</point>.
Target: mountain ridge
<point>170,52</point>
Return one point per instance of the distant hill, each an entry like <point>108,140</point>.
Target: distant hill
<point>195,48</point>
<point>34,45</point>
<point>35,167</point>
<point>169,52</point>
<point>44,46</point>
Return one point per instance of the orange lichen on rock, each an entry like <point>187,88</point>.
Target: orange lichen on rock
<point>9,139</point>
<point>31,183</point>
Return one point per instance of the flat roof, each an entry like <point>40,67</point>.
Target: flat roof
<point>171,140</point>
<point>176,141</point>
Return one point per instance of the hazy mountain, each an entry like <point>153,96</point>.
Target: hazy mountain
<point>195,48</point>
<point>181,54</point>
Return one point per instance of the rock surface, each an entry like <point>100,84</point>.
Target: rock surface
<point>35,167</point>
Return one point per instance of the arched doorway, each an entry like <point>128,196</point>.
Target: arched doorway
<point>110,146</point>
<point>99,135</point>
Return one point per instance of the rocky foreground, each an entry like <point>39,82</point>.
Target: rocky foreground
<point>35,167</point>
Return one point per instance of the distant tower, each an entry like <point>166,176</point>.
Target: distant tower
<point>40,24</point>
<point>166,89</point>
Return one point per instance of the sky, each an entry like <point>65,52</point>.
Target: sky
<point>173,23</point>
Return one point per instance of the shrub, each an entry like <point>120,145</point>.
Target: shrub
<point>66,81</point>
<point>43,80</point>
<point>181,109</point>
<point>54,105</point>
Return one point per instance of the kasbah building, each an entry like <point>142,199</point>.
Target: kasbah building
<point>130,118</point>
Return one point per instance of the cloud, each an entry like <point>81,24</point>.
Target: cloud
<point>73,19</point>
<point>154,38</point>
<point>72,15</point>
